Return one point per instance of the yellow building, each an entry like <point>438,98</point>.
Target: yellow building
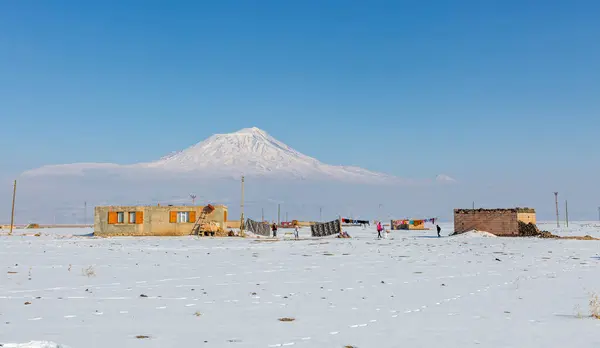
<point>153,220</point>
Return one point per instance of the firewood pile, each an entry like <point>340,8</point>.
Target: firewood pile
<point>529,230</point>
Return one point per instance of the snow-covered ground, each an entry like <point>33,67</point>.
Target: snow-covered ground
<point>413,290</point>
<point>579,228</point>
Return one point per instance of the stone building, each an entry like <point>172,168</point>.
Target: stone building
<point>153,220</point>
<point>501,222</point>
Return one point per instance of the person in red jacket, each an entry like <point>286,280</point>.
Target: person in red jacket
<point>379,229</point>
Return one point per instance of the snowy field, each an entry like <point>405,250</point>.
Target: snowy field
<point>412,290</point>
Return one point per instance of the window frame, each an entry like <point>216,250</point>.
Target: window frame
<point>132,214</point>
<point>120,217</point>
<point>183,217</point>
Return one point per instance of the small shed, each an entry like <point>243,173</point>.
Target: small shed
<point>501,222</point>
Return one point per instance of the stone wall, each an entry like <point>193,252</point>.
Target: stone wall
<point>156,220</point>
<point>495,221</point>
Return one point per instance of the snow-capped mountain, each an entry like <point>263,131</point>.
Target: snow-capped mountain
<point>250,151</point>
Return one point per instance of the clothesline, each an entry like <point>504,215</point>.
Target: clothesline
<point>397,221</point>
<point>412,221</point>
<point>355,222</point>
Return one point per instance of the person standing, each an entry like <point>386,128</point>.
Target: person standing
<point>379,229</point>
<point>274,228</point>
<point>296,231</point>
<point>439,229</point>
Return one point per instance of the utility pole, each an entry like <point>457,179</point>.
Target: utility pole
<point>193,197</point>
<point>321,213</point>
<point>262,215</point>
<point>473,205</point>
<point>278,213</point>
<point>567,212</point>
<point>242,210</point>
<point>12,214</point>
<point>286,216</point>
<point>556,203</point>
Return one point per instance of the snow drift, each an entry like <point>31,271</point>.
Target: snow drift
<point>33,344</point>
<point>475,234</point>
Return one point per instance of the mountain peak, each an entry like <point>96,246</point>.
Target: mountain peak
<point>249,150</point>
<point>251,130</point>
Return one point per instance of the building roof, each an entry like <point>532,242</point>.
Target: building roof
<point>512,210</point>
<point>160,206</point>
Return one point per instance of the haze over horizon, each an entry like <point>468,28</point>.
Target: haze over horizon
<point>501,97</point>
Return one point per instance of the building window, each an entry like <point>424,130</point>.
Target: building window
<point>183,216</point>
<point>132,217</point>
<point>120,217</point>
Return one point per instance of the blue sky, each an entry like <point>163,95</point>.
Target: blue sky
<point>480,90</point>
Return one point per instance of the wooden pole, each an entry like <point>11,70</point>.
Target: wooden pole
<point>12,214</point>
<point>567,212</point>
<point>556,203</point>
<point>242,210</point>
<point>262,215</point>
